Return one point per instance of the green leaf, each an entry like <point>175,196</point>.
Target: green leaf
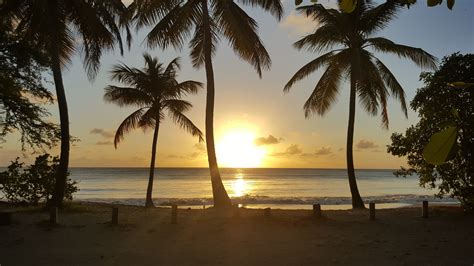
<point>455,112</point>
<point>298,2</point>
<point>434,2</point>
<point>314,1</point>
<point>460,84</point>
<point>348,6</point>
<point>438,148</point>
<point>450,4</point>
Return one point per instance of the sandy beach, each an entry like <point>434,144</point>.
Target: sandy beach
<point>208,237</point>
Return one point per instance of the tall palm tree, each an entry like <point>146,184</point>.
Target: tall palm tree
<point>173,21</point>
<point>152,90</point>
<point>351,34</point>
<point>61,28</point>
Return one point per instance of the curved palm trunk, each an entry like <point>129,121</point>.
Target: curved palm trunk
<point>149,190</point>
<point>61,173</point>
<point>221,199</point>
<point>357,202</point>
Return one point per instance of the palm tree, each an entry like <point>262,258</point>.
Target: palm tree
<point>153,90</point>
<point>352,34</point>
<point>61,27</point>
<point>207,21</point>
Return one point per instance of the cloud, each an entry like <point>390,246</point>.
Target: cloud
<point>323,151</point>
<point>104,143</point>
<point>293,149</point>
<point>200,151</point>
<point>267,140</point>
<point>364,144</point>
<point>298,23</point>
<point>104,133</point>
<point>200,147</point>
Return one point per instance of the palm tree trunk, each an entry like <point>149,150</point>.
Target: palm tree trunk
<point>149,190</point>
<point>221,199</point>
<point>357,202</point>
<point>61,173</point>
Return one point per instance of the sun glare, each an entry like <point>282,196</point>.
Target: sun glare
<point>237,149</point>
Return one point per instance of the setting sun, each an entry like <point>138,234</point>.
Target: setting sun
<point>237,149</point>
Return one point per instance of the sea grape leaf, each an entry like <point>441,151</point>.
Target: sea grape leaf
<point>434,2</point>
<point>461,84</point>
<point>347,6</point>
<point>450,4</point>
<point>439,147</point>
<point>298,2</point>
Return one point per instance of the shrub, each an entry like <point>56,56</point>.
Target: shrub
<point>34,183</point>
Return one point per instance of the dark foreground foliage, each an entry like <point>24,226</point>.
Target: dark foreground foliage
<point>440,105</point>
<point>33,184</point>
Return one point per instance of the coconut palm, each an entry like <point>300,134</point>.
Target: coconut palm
<point>350,36</point>
<point>61,28</point>
<point>153,90</point>
<point>206,21</point>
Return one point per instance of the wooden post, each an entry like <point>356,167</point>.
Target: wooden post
<point>236,211</point>
<point>174,214</point>
<point>267,212</point>
<point>424,209</point>
<point>115,212</point>
<point>5,217</point>
<point>372,211</point>
<point>317,210</point>
<point>53,216</point>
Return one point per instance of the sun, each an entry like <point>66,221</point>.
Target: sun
<point>236,149</point>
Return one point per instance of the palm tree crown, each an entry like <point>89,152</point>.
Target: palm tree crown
<point>350,36</point>
<point>153,90</point>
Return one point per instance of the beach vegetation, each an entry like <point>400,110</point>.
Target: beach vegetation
<point>62,28</point>
<point>35,183</point>
<point>446,115</point>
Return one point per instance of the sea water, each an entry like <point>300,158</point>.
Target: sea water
<point>252,188</point>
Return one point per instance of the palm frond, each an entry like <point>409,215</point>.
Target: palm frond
<point>185,123</point>
<point>273,6</point>
<point>130,123</point>
<point>325,37</point>
<point>377,18</point>
<point>127,96</point>
<point>391,82</point>
<point>308,69</point>
<point>175,26</point>
<point>327,88</point>
<point>196,44</point>
<point>241,32</point>
<point>417,55</point>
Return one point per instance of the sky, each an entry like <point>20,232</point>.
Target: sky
<point>256,124</point>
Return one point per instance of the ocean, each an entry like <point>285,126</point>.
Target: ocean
<point>251,188</point>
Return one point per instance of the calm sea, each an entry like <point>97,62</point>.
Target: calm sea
<point>254,188</point>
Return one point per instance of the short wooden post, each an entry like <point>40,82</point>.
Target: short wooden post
<point>53,216</point>
<point>267,212</point>
<point>424,209</point>
<point>236,211</point>
<point>317,210</point>
<point>115,212</point>
<point>174,214</point>
<point>5,217</point>
<point>372,211</point>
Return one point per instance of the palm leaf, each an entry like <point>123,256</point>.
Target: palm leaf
<point>308,69</point>
<point>417,55</point>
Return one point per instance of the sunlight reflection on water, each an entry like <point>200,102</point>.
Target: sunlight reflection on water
<point>240,186</point>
